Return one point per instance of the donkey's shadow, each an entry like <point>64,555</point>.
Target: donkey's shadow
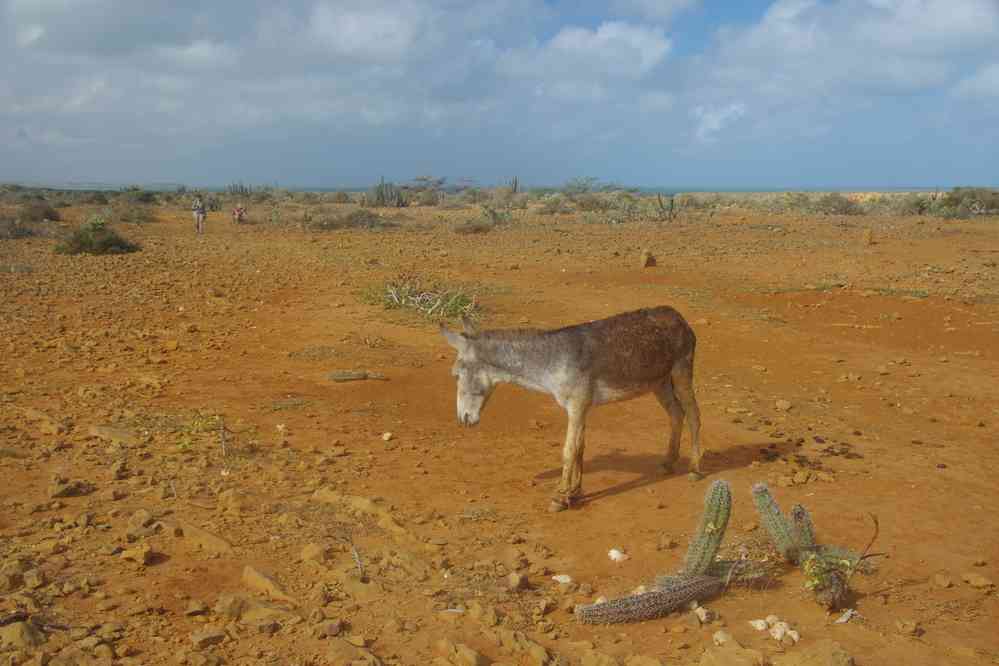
<point>648,471</point>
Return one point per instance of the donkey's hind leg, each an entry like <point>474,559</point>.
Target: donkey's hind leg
<point>666,398</point>
<point>683,389</point>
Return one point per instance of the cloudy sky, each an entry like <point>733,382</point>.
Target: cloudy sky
<point>684,93</point>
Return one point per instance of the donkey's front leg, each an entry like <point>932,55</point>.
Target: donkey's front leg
<point>570,487</point>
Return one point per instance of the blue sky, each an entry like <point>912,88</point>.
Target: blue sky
<point>677,93</point>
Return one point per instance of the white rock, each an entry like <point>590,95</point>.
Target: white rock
<point>704,615</point>
<point>779,631</point>
<point>772,620</point>
<point>793,635</point>
<point>387,436</point>
<point>721,637</point>
<point>617,555</point>
<point>759,625</point>
<point>562,579</point>
<point>600,600</point>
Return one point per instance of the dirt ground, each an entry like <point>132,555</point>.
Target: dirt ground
<point>121,372</point>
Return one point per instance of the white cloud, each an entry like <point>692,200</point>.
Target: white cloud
<point>579,63</point>
<point>983,83</point>
<point>713,119</point>
<point>26,35</point>
<point>200,53</point>
<point>386,33</point>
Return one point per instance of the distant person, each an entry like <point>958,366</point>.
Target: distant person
<point>198,210</point>
<point>238,214</point>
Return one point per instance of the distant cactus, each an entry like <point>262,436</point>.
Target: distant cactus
<point>704,546</point>
<point>675,593</point>
<point>777,525</point>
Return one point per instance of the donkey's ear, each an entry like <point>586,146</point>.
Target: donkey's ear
<point>469,326</point>
<point>456,340</point>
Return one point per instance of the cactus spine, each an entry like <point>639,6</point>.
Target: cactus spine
<point>704,546</point>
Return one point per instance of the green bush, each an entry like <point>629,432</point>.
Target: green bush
<point>341,197</point>
<point>38,211</point>
<point>386,195</point>
<point>835,203</point>
<point>132,214</point>
<point>94,237</point>
<point>555,205</point>
<point>591,202</point>
<point>361,218</point>
<point>427,198</point>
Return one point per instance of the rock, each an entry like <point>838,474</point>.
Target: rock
<point>387,437</point>
<point>115,435</point>
<point>206,540</point>
<point>459,654</point>
<point>723,638</point>
<point>207,638</point>
<point>259,582</point>
<point>20,636</point>
<point>328,629</point>
<point>233,502</point>
<point>783,406</point>
<point>908,627</point>
<point>943,580</point>
<point>802,477</point>
<point>704,615</point>
<point>313,552</point>
<point>516,582</point>
<point>977,581</point>
<point>140,518</point>
<point>63,487</point>
<point>731,655</point>
<point>358,640</point>
<point>142,554</point>
<point>641,660</point>
<point>825,652</point>
<point>195,607</point>
<point>648,260</point>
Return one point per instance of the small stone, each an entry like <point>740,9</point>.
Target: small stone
<point>943,580</point>
<point>722,638</point>
<point>648,260</point>
<point>329,629</point>
<point>783,406</point>
<point>977,581</point>
<point>264,584</point>
<point>516,582</point>
<point>387,437</point>
<point>207,638</point>
<point>358,640</point>
<point>313,552</point>
<point>908,627</point>
<point>704,615</point>
<point>980,562</point>
<point>195,608</point>
<point>20,636</point>
<point>141,554</point>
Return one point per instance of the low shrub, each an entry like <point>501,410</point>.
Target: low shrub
<point>94,237</point>
<point>14,229</point>
<point>38,211</point>
<point>361,218</point>
<point>431,299</point>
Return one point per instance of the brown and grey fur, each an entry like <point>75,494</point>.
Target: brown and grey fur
<point>609,360</point>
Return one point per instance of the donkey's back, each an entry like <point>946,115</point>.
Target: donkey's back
<point>630,349</point>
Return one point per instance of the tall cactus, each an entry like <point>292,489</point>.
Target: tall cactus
<point>704,546</point>
<point>777,525</point>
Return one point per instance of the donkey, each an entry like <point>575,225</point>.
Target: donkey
<point>582,366</point>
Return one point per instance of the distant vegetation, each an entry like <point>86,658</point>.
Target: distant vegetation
<point>94,237</point>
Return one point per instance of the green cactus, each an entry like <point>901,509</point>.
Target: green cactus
<point>803,529</point>
<point>780,529</point>
<point>673,594</point>
<point>704,546</point>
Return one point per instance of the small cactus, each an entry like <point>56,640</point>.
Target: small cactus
<point>672,593</point>
<point>779,528</point>
<point>704,546</point>
<point>804,530</point>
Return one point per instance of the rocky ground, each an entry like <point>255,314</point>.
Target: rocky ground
<point>190,480</point>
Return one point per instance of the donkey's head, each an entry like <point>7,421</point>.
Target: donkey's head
<point>475,381</point>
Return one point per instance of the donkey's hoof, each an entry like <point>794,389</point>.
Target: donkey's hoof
<point>558,505</point>
<point>694,476</point>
